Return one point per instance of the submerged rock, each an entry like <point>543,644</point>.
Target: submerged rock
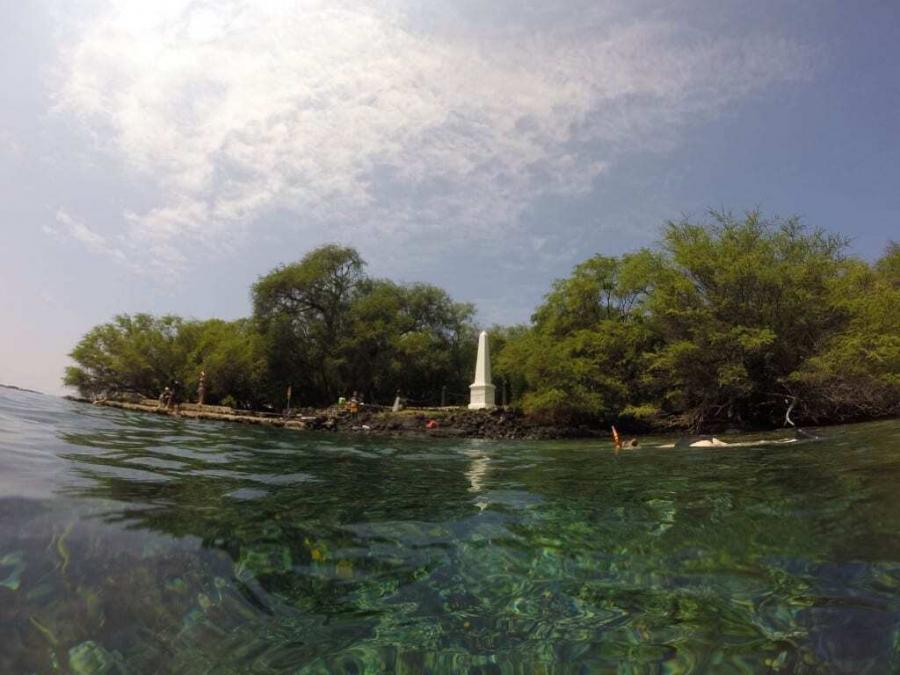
<point>15,562</point>
<point>262,560</point>
<point>90,658</point>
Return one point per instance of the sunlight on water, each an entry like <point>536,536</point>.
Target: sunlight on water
<point>132,543</point>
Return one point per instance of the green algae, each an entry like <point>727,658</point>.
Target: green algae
<point>89,658</point>
<point>13,564</point>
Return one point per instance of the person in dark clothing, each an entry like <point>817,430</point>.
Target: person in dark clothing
<point>175,397</point>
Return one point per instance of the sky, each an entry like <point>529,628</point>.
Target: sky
<point>159,157</point>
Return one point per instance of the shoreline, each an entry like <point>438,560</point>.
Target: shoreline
<point>450,422</point>
<point>496,423</point>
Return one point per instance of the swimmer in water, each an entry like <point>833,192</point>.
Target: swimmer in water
<point>702,442</point>
<point>618,444</point>
<point>713,442</point>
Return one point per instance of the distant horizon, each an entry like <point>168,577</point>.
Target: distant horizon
<point>5,385</point>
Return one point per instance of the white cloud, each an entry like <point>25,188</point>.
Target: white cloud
<point>347,114</point>
<point>9,145</point>
<point>70,227</point>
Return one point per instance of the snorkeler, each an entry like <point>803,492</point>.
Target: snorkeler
<point>713,442</point>
<point>699,442</point>
<point>708,441</point>
<point>617,442</point>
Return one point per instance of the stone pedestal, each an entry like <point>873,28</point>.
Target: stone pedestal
<point>482,396</point>
<point>482,392</point>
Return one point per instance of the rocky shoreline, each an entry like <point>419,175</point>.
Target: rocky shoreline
<point>497,423</point>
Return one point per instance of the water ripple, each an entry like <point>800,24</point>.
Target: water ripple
<point>136,543</point>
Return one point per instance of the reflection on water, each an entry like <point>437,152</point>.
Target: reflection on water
<point>130,543</point>
<point>476,474</point>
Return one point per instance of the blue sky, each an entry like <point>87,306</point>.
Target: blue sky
<point>160,158</point>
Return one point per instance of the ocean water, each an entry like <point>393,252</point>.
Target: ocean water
<point>132,543</point>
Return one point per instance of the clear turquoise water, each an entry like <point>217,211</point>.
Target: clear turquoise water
<point>132,543</point>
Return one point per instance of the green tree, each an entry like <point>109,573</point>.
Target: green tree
<point>414,338</point>
<point>329,329</point>
<point>581,359</point>
<point>232,355</point>
<point>302,310</point>
<point>856,373</point>
<point>507,371</point>
<point>131,354</point>
<point>739,305</point>
<point>719,326</point>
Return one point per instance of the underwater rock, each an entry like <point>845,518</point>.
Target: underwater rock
<point>262,560</point>
<point>15,560</point>
<point>89,658</point>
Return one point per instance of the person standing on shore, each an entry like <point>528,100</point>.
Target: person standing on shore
<point>201,388</point>
<point>175,397</point>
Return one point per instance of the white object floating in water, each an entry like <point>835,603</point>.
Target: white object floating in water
<point>482,392</point>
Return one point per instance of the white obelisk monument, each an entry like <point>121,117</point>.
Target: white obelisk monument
<point>481,390</point>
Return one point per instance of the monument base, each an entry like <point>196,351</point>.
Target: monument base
<point>482,396</point>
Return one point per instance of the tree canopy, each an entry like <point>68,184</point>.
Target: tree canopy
<point>320,326</point>
<point>718,325</point>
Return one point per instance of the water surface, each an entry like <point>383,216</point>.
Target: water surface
<point>131,543</point>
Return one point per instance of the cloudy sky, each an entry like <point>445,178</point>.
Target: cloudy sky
<point>160,156</point>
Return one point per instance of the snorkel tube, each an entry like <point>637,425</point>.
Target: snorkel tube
<point>617,442</point>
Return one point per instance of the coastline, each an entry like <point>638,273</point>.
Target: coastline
<point>497,423</point>
<point>449,422</point>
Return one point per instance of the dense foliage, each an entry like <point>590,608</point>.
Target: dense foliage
<point>319,326</point>
<point>329,329</point>
<point>720,325</point>
<point>581,358</point>
<point>141,354</point>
